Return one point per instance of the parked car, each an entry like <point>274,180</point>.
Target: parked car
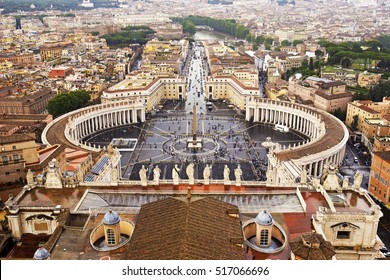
<point>355,159</point>
<point>384,249</point>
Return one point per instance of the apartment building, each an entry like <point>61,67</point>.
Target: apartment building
<point>381,143</point>
<point>325,94</point>
<point>380,177</point>
<point>368,80</point>
<point>27,103</point>
<point>366,109</point>
<point>147,88</point>
<point>16,152</point>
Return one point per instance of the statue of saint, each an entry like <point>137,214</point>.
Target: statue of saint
<point>357,180</point>
<point>206,174</point>
<point>303,177</point>
<point>79,175</point>
<point>226,175</point>
<point>142,176</point>
<point>175,175</point>
<point>30,178</point>
<point>156,174</point>
<point>238,174</point>
<point>345,182</point>
<point>110,149</point>
<point>53,179</point>
<point>190,173</point>
<point>71,181</point>
<point>269,174</point>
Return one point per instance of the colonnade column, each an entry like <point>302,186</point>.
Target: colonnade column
<point>256,115</point>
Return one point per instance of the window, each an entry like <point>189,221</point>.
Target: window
<point>5,159</point>
<point>110,236</point>
<point>14,148</point>
<point>343,234</point>
<point>264,237</point>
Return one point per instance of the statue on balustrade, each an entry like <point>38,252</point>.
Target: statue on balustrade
<point>226,175</point>
<point>206,174</point>
<point>143,176</point>
<point>238,174</point>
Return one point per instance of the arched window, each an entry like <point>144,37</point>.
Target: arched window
<point>16,157</point>
<point>264,237</point>
<point>5,159</point>
<point>110,236</point>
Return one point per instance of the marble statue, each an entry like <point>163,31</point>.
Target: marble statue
<point>30,178</point>
<point>71,181</point>
<point>238,174</point>
<point>325,172</point>
<point>270,175</point>
<point>53,179</point>
<point>303,177</point>
<point>79,175</point>
<point>190,173</point>
<point>156,175</point>
<point>357,180</point>
<point>40,180</point>
<point>316,183</point>
<point>345,182</point>
<point>57,168</point>
<point>143,177</point>
<point>206,174</point>
<point>226,175</point>
<point>110,149</point>
<point>175,175</point>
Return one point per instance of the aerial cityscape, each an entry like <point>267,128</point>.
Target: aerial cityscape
<point>195,130</point>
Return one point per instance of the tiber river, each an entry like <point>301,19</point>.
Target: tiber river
<point>203,35</point>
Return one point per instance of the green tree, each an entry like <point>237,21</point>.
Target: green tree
<point>305,63</point>
<point>346,62</point>
<point>285,43</point>
<point>311,64</point>
<point>259,40</point>
<point>340,114</point>
<point>268,41</point>
<point>319,54</point>
<point>189,27</point>
<point>296,42</point>
<point>67,102</point>
<point>354,124</point>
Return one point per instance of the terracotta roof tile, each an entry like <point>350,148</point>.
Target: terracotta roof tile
<point>175,229</point>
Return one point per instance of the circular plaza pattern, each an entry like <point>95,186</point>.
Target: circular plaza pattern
<point>210,147</point>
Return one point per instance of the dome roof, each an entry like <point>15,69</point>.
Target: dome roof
<point>41,254</point>
<point>264,218</point>
<point>111,218</point>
